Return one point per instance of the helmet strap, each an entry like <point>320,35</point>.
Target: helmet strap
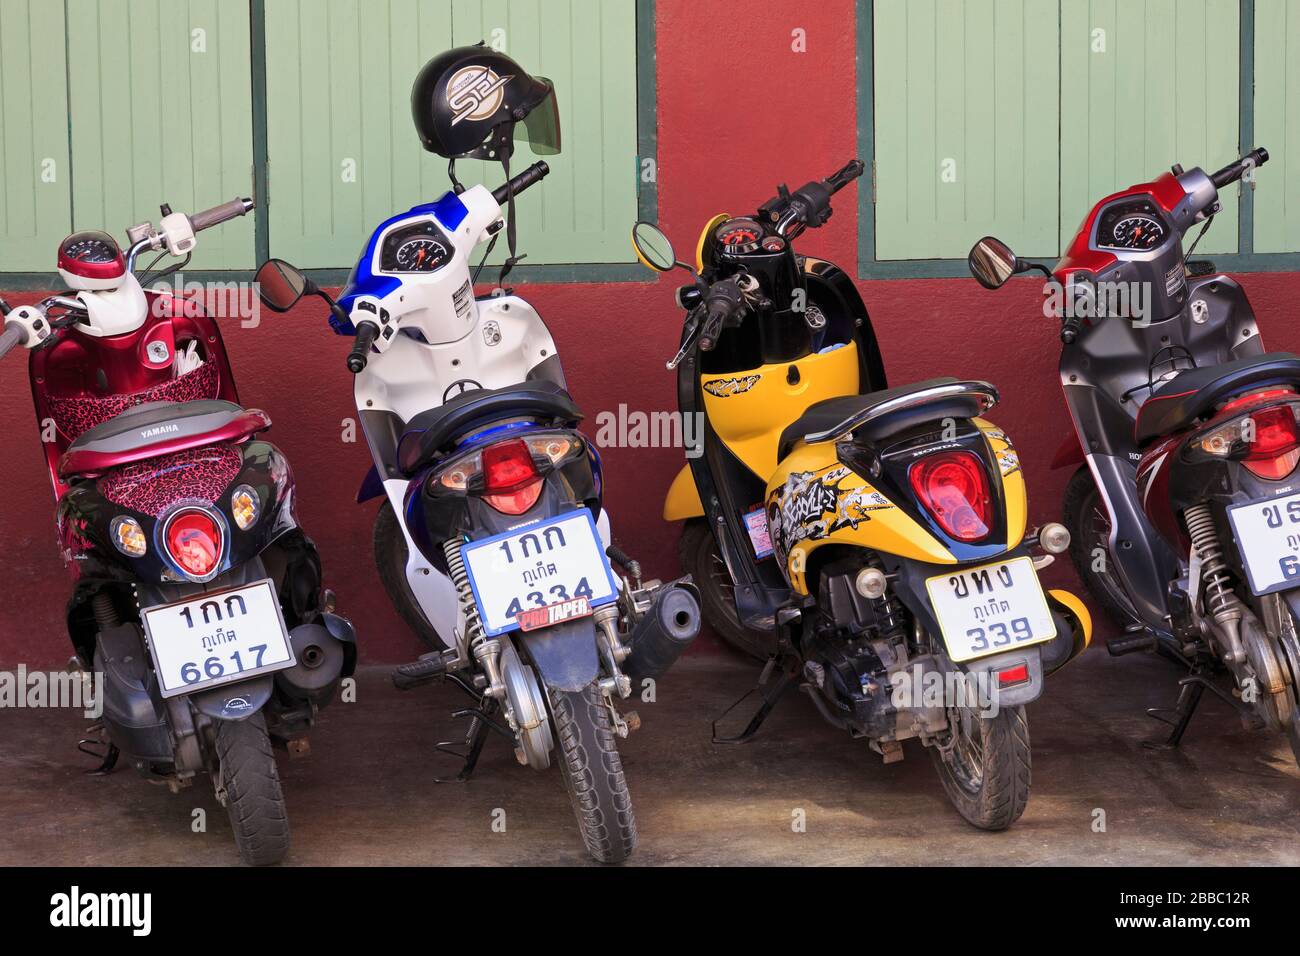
<point>511,259</point>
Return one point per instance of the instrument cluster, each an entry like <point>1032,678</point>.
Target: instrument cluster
<point>1133,225</point>
<point>419,247</point>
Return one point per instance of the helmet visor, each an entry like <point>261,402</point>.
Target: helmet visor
<point>541,127</point>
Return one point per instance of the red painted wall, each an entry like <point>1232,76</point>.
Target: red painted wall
<point>796,121</point>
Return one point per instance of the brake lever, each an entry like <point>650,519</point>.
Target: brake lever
<point>688,343</point>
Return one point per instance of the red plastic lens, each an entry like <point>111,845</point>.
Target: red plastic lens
<point>194,543</point>
<point>1013,675</point>
<point>1276,447</point>
<point>511,483</point>
<point>954,487</point>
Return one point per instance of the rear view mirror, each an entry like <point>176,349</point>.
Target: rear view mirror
<point>992,262</point>
<point>280,285</point>
<point>652,247</point>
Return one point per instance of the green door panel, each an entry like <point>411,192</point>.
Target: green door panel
<point>1277,127</point>
<point>35,176</point>
<point>954,161</point>
<point>344,156</point>
<point>160,107</point>
<point>1145,85</point>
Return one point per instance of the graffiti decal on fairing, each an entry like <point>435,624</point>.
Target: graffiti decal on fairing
<point>726,387</point>
<point>1008,461</point>
<point>812,505</point>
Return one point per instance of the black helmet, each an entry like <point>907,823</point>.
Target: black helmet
<point>466,102</point>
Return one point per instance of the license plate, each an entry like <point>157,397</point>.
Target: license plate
<point>1268,536</point>
<point>991,609</point>
<point>217,638</point>
<point>552,562</point>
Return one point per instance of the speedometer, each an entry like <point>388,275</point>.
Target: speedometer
<point>421,255</point>
<point>1138,232</point>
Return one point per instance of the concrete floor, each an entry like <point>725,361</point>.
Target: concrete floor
<point>366,794</point>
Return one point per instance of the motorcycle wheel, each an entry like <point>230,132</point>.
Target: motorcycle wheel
<point>699,557</point>
<point>1089,527</point>
<point>986,772</point>
<point>593,773</point>
<point>390,559</point>
<point>254,801</point>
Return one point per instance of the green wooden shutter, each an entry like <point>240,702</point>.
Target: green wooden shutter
<point>965,126</point>
<point>35,177</point>
<point>1162,91</point>
<point>160,98</point>
<point>1277,93</point>
<point>344,156</point>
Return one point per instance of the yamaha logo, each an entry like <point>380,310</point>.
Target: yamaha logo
<point>160,430</point>
<point>475,93</point>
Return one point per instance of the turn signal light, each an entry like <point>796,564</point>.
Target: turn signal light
<point>1266,441</point>
<point>954,487</point>
<point>128,536</point>
<point>193,540</point>
<point>511,482</point>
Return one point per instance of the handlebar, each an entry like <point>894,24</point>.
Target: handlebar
<point>13,336</point>
<point>360,354</point>
<point>724,299</point>
<point>529,177</point>
<point>842,177</point>
<point>1235,170</point>
<point>809,206</point>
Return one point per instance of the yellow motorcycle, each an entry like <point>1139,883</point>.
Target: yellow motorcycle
<point>869,542</point>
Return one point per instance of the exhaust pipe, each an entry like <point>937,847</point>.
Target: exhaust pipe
<point>664,631</point>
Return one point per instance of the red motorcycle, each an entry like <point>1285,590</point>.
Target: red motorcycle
<point>1184,510</point>
<point>196,594</point>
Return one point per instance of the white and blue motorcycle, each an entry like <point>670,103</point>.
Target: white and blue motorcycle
<point>492,541</point>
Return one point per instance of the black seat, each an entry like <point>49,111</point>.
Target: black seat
<point>435,431</point>
<point>826,418</point>
<point>1198,391</point>
<point>148,424</point>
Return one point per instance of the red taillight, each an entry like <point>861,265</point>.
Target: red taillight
<point>1276,446</point>
<point>954,487</point>
<point>1013,675</point>
<point>193,540</point>
<point>511,483</point>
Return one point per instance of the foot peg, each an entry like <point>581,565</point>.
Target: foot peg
<point>1131,644</point>
<point>428,668</point>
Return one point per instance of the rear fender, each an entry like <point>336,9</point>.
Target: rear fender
<point>985,670</point>
<point>237,701</point>
<point>565,654</point>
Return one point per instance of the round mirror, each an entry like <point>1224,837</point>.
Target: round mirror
<point>992,262</point>
<point>652,247</point>
<point>279,284</point>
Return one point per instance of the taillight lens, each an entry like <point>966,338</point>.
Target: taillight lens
<point>193,539</point>
<point>1266,441</point>
<point>954,487</point>
<point>511,482</point>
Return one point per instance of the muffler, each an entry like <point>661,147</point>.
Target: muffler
<point>664,631</point>
<point>321,658</point>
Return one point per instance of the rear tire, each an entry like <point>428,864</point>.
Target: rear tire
<point>390,559</point>
<point>593,773</point>
<point>987,774</point>
<point>698,552</point>
<point>254,800</point>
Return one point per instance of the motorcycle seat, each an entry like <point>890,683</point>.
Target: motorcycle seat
<point>1197,391</point>
<point>432,433</point>
<point>880,415</point>
<point>158,428</point>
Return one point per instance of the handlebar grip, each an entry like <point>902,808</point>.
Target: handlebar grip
<point>842,177</point>
<point>12,337</point>
<point>529,177</point>
<point>219,214</point>
<point>360,354</point>
<point>1071,328</point>
<point>1233,171</point>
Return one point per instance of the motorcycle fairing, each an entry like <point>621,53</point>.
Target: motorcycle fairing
<point>816,499</point>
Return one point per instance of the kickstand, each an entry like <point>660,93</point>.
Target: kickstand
<point>771,694</point>
<point>1193,687</point>
<point>107,757</point>
<point>480,723</point>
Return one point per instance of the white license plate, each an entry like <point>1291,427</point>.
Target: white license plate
<point>554,561</point>
<point>1268,536</point>
<point>991,609</point>
<point>217,638</point>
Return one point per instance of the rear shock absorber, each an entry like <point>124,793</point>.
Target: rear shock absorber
<point>1221,602</point>
<point>106,615</point>
<point>487,651</point>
